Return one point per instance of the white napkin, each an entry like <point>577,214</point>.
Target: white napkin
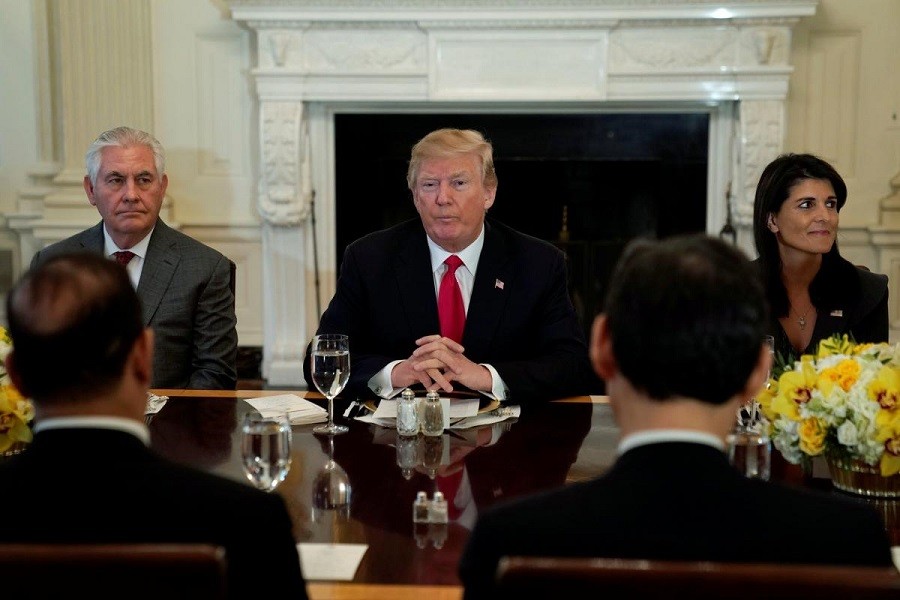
<point>154,403</point>
<point>330,562</point>
<point>300,410</point>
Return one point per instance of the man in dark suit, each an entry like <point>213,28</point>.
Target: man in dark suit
<point>521,338</point>
<point>84,357</point>
<point>185,287</point>
<point>680,347</point>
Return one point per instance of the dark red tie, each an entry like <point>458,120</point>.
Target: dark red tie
<point>123,257</point>
<point>451,310</point>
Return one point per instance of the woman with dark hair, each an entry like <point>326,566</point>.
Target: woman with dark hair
<point>813,292</point>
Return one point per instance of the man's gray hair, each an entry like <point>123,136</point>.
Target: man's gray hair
<point>123,137</point>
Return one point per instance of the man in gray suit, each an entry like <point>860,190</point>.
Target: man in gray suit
<point>185,287</point>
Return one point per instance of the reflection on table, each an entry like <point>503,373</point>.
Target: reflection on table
<point>548,446</point>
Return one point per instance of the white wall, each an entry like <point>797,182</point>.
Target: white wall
<point>18,109</point>
<point>844,99</point>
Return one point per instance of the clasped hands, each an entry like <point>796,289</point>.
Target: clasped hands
<point>436,363</point>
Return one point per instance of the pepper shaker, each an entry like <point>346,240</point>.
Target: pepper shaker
<point>433,415</point>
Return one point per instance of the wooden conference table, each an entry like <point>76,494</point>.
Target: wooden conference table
<point>549,445</point>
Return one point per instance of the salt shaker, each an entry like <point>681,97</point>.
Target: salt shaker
<point>408,454</point>
<point>438,512</point>
<point>432,415</point>
<point>407,415</point>
<point>421,508</point>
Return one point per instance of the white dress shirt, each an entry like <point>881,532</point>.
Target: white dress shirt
<point>138,430</point>
<point>659,436</point>
<point>136,264</point>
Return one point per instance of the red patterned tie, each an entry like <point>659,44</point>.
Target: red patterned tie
<point>451,310</point>
<point>123,257</point>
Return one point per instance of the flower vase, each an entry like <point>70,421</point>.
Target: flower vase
<point>857,477</point>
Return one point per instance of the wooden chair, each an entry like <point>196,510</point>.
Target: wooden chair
<point>158,571</point>
<point>632,579</point>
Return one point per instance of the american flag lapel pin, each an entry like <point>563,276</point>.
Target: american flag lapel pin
<point>498,284</point>
<point>837,313</point>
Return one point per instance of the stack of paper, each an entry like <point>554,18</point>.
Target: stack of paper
<point>300,411</point>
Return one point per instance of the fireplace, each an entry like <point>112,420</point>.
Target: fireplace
<point>587,182</point>
<point>323,63</point>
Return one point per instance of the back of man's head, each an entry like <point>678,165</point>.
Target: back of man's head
<point>687,317</point>
<point>73,320</point>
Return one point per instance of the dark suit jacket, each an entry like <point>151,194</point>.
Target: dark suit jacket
<point>676,501</point>
<point>187,298</point>
<point>520,317</point>
<point>867,320</point>
<point>101,485</point>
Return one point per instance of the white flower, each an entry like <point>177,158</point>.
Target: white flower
<point>847,434</point>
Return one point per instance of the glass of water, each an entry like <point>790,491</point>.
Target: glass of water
<point>266,449</point>
<point>750,452</point>
<point>330,370</point>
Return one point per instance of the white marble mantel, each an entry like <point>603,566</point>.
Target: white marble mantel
<point>315,58</point>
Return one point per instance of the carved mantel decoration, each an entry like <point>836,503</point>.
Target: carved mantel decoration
<point>318,57</point>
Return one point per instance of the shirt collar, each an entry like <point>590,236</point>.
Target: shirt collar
<point>658,436</point>
<point>139,249</point>
<point>138,430</point>
<point>469,255</point>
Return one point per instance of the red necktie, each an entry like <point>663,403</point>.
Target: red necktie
<point>123,257</point>
<point>449,486</point>
<point>451,310</point>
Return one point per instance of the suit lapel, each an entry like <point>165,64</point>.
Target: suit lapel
<point>92,239</point>
<point>159,268</point>
<point>490,291</point>
<point>412,267</point>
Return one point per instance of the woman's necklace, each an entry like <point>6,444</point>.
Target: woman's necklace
<point>801,319</point>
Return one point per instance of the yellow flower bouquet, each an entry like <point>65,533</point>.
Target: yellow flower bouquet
<point>842,403</point>
<point>16,412</point>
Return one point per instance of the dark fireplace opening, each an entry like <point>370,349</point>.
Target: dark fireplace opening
<point>588,183</point>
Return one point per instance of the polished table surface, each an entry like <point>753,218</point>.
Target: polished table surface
<point>549,445</point>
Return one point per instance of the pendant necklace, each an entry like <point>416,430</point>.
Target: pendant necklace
<point>801,319</point>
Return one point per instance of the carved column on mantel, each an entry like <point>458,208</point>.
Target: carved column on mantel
<point>762,139</point>
<point>284,200</point>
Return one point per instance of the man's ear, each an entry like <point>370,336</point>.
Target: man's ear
<point>602,358</point>
<point>89,190</point>
<point>13,371</point>
<point>142,357</point>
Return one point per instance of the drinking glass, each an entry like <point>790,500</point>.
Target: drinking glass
<point>750,416</point>
<point>331,488</point>
<point>266,449</point>
<point>750,452</point>
<point>330,370</point>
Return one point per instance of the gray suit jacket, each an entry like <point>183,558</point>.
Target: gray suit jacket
<point>187,298</point>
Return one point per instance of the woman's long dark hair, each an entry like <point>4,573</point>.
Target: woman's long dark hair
<point>773,189</point>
